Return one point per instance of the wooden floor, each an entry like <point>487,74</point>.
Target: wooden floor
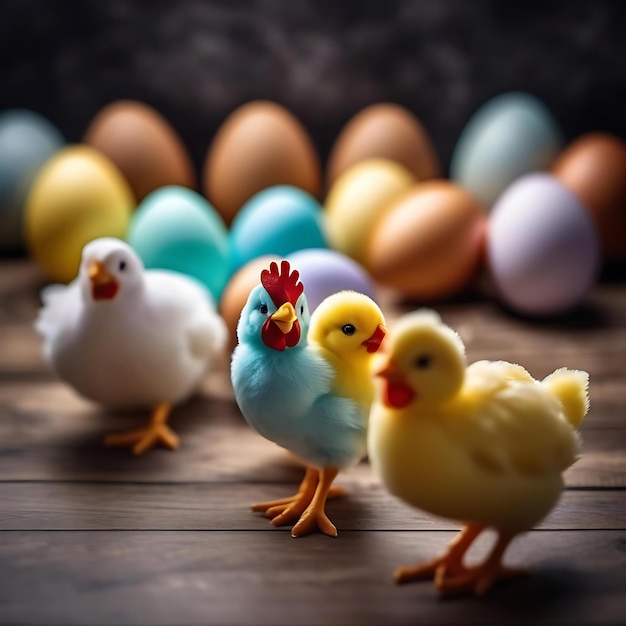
<point>90,535</point>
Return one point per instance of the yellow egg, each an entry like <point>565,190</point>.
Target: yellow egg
<point>79,195</point>
<point>357,200</point>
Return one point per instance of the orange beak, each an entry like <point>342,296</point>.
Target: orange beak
<point>373,343</point>
<point>397,393</point>
<point>104,286</point>
<point>285,317</point>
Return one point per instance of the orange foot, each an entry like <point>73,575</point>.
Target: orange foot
<point>477,580</point>
<point>314,516</point>
<point>143,439</point>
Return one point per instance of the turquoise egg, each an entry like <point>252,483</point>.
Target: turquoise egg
<point>175,228</point>
<point>278,220</point>
<point>27,141</point>
<point>510,135</point>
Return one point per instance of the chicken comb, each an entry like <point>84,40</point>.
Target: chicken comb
<point>282,286</point>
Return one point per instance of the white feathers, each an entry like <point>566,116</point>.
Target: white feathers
<point>151,342</point>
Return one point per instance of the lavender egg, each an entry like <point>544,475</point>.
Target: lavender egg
<point>543,250</point>
<point>325,272</point>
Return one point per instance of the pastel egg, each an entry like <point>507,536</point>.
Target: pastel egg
<point>278,220</point>
<point>429,243</point>
<point>325,272</point>
<point>143,145</point>
<point>542,247</point>
<point>509,136</point>
<point>594,168</point>
<point>27,141</point>
<point>259,145</point>
<point>356,201</point>
<point>386,131</point>
<point>238,289</point>
<point>78,195</point>
<point>176,229</point>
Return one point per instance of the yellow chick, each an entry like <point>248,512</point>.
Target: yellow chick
<point>348,329</point>
<point>484,445</point>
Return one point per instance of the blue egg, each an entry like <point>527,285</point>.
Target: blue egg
<point>27,141</point>
<point>175,228</point>
<point>325,272</point>
<point>511,135</point>
<point>278,220</point>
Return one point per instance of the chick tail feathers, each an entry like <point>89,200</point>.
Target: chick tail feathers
<point>571,387</point>
<point>207,337</point>
<point>52,309</point>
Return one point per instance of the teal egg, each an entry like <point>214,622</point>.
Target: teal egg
<point>278,220</point>
<point>27,141</point>
<point>175,228</point>
<point>511,135</point>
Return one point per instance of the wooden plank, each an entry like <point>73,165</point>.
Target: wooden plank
<point>48,433</point>
<point>269,578</point>
<point>220,506</point>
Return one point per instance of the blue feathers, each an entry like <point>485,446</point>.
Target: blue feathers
<point>285,393</point>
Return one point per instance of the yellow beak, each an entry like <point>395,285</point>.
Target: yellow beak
<point>285,317</point>
<point>98,273</point>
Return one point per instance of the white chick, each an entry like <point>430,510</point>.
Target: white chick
<point>123,336</point>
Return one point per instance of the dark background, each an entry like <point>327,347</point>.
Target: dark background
<point>196,60</point>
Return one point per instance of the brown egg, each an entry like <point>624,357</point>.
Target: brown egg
<point>259,145</point>
<point>429,242</point>
<point>236,293</point>
<point>594,168</point>
<point>385,131</point>
<point>142,144</point>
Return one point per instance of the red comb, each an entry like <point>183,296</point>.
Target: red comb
<point>282,287</point>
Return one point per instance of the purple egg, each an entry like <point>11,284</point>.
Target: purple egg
<point>542,247</point>
<point>325,272</point>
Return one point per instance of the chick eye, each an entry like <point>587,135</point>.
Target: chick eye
<point>263,309</point>
<point>301,310</point>
<point>122,266</point>
<point>348,329</point>
<point>423,361</point>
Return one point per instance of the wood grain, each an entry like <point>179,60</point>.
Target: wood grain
<point>221,506</point>
<point>158,577</point>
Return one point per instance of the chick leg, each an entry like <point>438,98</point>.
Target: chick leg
<point>481,578</point>
<point>314,517</point>
<point>286,514</point>
<point>449,563</point>
<point>142,439</point>
<point>272,508</point>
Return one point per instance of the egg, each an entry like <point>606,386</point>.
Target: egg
<point>238,289</point>
<point>27,141</point>
<point>428,244</point>
<point>509,136</point>
<point>356,201</point>
<point>542,247</point>
<point>278,220</point>
<point>175,228</point>
<point>325,272</point>
<point>594,168</point>
<point>143,145</point>
<point>78,196</point>
<point>259,145</point>
<point>386,131</point>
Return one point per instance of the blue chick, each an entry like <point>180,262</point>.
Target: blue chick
<point>283,388</point>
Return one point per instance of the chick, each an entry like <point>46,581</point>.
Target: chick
<point>484,445</point>
<point>283,387</point>
<point>126,337</point>
<point>348,328</point>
